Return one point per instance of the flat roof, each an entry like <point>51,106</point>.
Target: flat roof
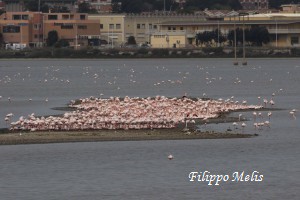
<point>230,22</point>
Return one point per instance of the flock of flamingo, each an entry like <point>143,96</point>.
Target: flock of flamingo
<point>137,113</point>
<point>130,113</point>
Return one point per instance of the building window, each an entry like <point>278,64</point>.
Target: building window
<point>52,17</point>
<point>174,28</point>
<point>82,26</point>
<point>66,26</point>
<point>154,26</point>
<point>138,26</point>
<point>41,36</point>
<point>181,28</point>
<point>294,40</point>
<point>82,17</point>
<point>150,26</point>
<point>16,17</point>
<point>101,26</point>
<point>65,16</point>
<point>35,36</point>
<point>19,17</point>
<point>25,17</point>
<point>143,26</point>
<point>111,26</point>
<point>118,26</point>
<point>37,26</point>
<point>169,28</point>
<point>11,29</point>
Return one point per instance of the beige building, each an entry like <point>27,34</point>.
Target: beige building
<point>283,33</point>
<point>117,28</point>
<point>112,28</point>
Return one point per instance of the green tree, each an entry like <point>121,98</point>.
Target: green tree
<point>131,40</point>
<point>254,36</point>
<point>259,35</point>
<point>52,38</point>
<point>1,40</point>
<point>218,36</point>
<point>61,43</point>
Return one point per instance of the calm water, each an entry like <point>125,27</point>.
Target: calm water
<point>141,170</point>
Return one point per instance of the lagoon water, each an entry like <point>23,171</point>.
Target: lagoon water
<point>141,170</point>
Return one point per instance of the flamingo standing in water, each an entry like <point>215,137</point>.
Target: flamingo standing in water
<point>240,115</point>
<point>272,102</point>
<point>243,126</point>
<point>269,115</point>
<point>254,116</point>
<point>292,113</point>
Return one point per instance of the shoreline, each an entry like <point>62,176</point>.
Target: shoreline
<point>144,53</point>
<point>44,137</point>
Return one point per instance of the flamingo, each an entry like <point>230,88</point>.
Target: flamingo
<point>269,115</point>
<point>272,102</point>
<point>243,126</point>
<point>292,113</point>
<point>234,125</point>
<point>265,102</point>
<point>267,124</point>
<point>254,116</point>
<point>240,115</point>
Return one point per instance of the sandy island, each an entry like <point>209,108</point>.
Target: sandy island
<point>111,135</point>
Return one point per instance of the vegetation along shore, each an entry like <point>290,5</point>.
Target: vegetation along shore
<point>139,52</point>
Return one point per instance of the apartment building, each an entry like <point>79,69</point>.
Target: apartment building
<point>76,28</point>
<point>32,28</point>
<point>22,27</point>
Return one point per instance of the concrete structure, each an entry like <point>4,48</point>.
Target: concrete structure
<point>117,28</point>
<point>31,28</point>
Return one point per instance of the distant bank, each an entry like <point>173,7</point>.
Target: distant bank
<point>251,52</point>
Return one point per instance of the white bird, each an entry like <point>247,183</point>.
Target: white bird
<point>234,125</point>
<point>292,113</point>
<point>240,115</point>
<point>267,123</point>
<point>170,157</point>
<point>269,115</point>
<point>243,125</point>
<point>254,116</point>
